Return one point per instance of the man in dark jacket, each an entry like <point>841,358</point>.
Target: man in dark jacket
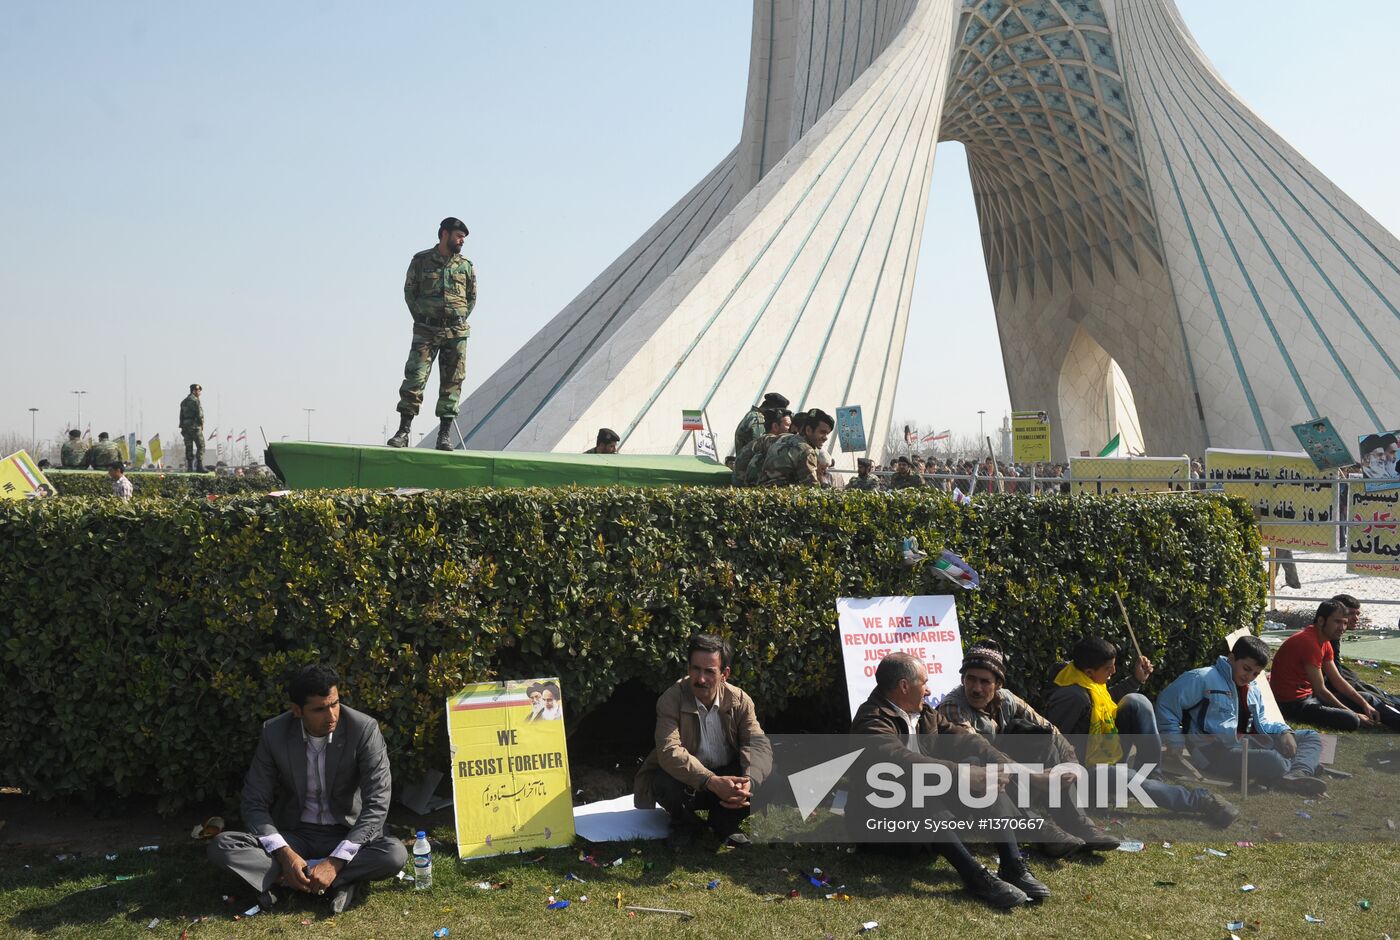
<point>904,731</point>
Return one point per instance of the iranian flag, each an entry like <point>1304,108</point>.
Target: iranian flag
<point>939,436</point>
<point>692,420</point>
<point>1113,448</point>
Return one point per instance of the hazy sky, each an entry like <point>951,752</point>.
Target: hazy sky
<point>230,194</point>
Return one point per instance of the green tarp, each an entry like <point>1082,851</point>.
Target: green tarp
<point>335,466</point>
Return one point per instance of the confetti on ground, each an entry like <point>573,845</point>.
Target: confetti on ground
<point>1130,846</point>
<point>1311,919</point>
<point>1248,888</point>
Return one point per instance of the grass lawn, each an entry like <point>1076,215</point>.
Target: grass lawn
<point>1324,866</point>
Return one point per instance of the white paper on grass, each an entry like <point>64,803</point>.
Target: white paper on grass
<point>619,820</point>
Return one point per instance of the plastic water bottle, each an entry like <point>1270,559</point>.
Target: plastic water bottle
<point>422,863</point>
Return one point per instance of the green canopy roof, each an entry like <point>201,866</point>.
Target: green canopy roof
<point>334,466</point>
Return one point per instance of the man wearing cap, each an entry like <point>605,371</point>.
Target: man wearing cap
<point>983,703</point>
<point>74,452</point>
<point>440,290</point>
<point>192,428</point>
<point>904,475</point>
<point>793,460</point>
<point>754,423</point>
<point>749,459</point>
<point>606,442</point>
<point>864,480</point>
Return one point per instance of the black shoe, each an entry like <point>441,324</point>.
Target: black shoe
<point>992,891</point>
<point>1096,838</point>
<point>267,899</point>
<point>1300,781</point>
<point>737,840</point>
<point>1220,812</point>
<point>444,438</point>
<point>400,438</point>
<point>1054,842</point>
<point>344,896</point>
<point>1020,876</point>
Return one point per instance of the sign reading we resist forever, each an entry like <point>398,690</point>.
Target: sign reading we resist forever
<point>925,627</point>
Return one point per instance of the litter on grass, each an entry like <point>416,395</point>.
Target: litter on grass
<point>869,925</point>
<point>440,932</point>
<point>1130,846</point>
<point>1311,919</point>
<point>1248,888</point>
<point>684,915</point>
<point>1217,853</point>
<point>557,905</point>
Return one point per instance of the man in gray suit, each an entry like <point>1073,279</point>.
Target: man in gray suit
<point>315,800</point>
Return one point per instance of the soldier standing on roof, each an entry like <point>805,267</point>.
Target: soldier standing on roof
<point>440,291</point>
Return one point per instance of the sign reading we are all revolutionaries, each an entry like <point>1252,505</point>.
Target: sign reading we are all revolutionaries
<point>21,478</point>
<point>924,626</point>
<point>1263,479</point>
<point>510,767</point>
<point>1030,436</point>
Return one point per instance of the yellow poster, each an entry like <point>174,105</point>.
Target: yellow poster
<point>156,452</point>
<point>21,478</point>
<point>1030,436</point>
<point>1379,542</point>
<point>122,451</point>
<point>1107,475</point>
<point>510,767</point>
<point>1262,479</point>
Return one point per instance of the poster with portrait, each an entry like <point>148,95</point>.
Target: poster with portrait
<point>510,767</point>
<point>1323,444</point>
<point>1374,548</point>
<point>1380,462</point>
<point>1030,436</point>
<point>1270,481</point>
<point>1106,476</point>
<point>21,478</point>
<point>850,429</point>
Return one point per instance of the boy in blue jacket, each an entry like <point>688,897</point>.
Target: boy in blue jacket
<point>1211,708</point>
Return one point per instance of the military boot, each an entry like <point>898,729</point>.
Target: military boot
<point>400,438</point>
<point>189,465</point>
<point>444,438</point>
<point>199,465</point>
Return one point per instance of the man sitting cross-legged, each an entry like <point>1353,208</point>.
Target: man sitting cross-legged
<point>315,800</point>
<point>1307,683</point>
<point>984,704</point>
<point>1092,716</point>
<point>1212,708</point>
<point>710,750</point>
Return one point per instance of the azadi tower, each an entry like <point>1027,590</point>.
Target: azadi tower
<point>1133,211</point>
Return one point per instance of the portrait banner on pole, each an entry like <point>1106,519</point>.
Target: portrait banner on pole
<point>850,429</point>
<point>510,767</point>
<point>1261,478</point>
<point>924,626</point>
<point>1105,476</point>
<point>1378,542</point>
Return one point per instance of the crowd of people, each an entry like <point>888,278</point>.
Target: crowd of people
<point>315,831</point>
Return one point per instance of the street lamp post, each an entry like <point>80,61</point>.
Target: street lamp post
<point>33,434</point>
<point>80,408</point>
<point>981,429</point>
<point>308,421</point>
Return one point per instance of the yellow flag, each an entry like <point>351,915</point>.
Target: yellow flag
<point>154,447</point>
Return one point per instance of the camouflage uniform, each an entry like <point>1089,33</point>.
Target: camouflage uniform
<point>192,428</point>
<point>863,483</point>
<point>102,455</point>
<point>758,453</point>
<point>74,453</point>
<point>750,429</point>
<point>440,293</point>
<point>902,481</point>
<point>791,462</point>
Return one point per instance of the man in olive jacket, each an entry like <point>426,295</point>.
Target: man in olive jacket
<point>710,750</point>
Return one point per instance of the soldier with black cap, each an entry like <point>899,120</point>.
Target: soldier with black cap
<point>440,290</point>
<point>753,425</point>
<point>606,443</point>
<point>864,480</point>
<point>192,428</point>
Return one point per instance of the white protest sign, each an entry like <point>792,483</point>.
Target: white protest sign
<point>925,627</point>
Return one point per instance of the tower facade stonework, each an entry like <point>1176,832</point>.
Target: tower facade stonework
<point>1133,212</point>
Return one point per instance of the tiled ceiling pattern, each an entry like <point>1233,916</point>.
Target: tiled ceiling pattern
<point>1037,98</point>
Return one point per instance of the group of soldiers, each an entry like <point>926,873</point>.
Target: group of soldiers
<point>78,454</point>
<point>774,447</point>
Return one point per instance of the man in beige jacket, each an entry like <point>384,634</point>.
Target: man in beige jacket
<point>710,750</point>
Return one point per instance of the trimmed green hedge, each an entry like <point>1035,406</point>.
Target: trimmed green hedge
<point>143,643</point>
<point>148,483</point>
